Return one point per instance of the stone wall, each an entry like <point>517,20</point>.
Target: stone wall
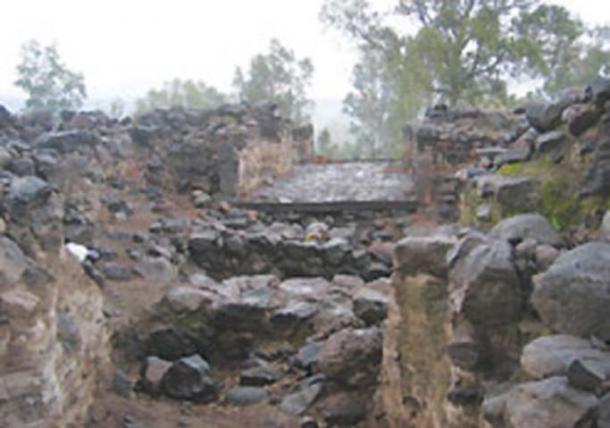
<point>558,166</point>
<point>447,140</point>
<point>53,342</point>
<point>230,151</point>
<point>505,328</point>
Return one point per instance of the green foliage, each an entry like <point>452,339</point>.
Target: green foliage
<point>182,93</point>
<point>465,51</point>
<point>49,84</point>
<point>559,198</point>
<point>280,77</point>
<point>375,106</point>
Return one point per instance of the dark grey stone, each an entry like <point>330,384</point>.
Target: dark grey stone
<point>189,379</point>
<point>527,226</point>
<point>573,296</point>
<point>246,396</point>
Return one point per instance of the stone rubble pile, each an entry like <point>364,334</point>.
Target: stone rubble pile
<point>308,345</point>
<point>494,293</point>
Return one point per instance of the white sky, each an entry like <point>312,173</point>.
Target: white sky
<point>125,47</point>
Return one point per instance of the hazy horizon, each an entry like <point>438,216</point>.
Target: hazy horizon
<point>124,49</point>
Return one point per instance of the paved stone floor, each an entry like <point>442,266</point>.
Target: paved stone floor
<point>354,181</point>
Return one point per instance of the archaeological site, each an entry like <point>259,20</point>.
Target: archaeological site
<point>199,259</point>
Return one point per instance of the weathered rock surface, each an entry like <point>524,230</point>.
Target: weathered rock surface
<point>548,403</point>
<point>350,356</point>
<point>552,355</point>
<point>12,262</point>
<point>527,226</point>
<point>425,251</point>
<point>573,295</point>
<point>485,286</point>
<point>189,378</point>
<point>544,117</point>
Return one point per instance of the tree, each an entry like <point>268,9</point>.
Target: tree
<point>378,105</point>
<point>464,50</point>
<point>182,93</point>
<point>280,77</point>
<point>325,146</point>
<point>49,84</point>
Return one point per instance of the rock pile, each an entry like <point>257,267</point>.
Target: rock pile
<point>309,345</point>
<point>478,299</point>
<point>557,164</point>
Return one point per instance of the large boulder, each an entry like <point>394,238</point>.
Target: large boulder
<point>599,91</point>
<point>12,262</point>
<point>485,286</point>
<point>544,116</point>
<point>425,252</point>
<point>28,190</point>
<point>352,357</point>
<point>511,193</point>
<point>573,296</point>
<point>189,379</point>
<point>581,117</point>
<point>67,141</point>
<point>527,226</point>
<point>544,404</point>
<point>552,355</point>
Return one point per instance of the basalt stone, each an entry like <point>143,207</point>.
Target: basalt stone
<point>425,252</point>
<point>293,313</point>
<point>551,143</point>
<point>485,287</point>
<point>22,167</point>
<point>152,373</point>
<point>303,396</point>
<point>510,192</point>
<point>547,403</point>
<point>552,355</point>
<point>261,375</point>
<point>371,306</point>
<point>573,296</point>
<point>516,155</point>
<point>599,91</point>
<point>527,226</point>
<point>68,332</point>
<point>29,191</point>
<point>308,356</point>
<point>170,344</point>
<point>590,374</point>
<point>67,141</point>
<point>187,299</point>
<point>580,118</point>
<point>189,379</point>
<point>343,409</point>
<point>12,262</point>
<point>246,396</point>
<point>352,357</point>
<point>544,116</point>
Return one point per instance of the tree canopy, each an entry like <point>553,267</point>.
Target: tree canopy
<point>280,77</point>
<point>48,83</point>
<point>182,93</point>
<point>458,52</point>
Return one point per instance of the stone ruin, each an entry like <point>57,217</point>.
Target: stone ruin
<point>199,313</point>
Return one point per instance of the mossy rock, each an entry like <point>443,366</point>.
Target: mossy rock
<point>560,201</point>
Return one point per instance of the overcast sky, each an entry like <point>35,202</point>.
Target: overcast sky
<point>125,47</point>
